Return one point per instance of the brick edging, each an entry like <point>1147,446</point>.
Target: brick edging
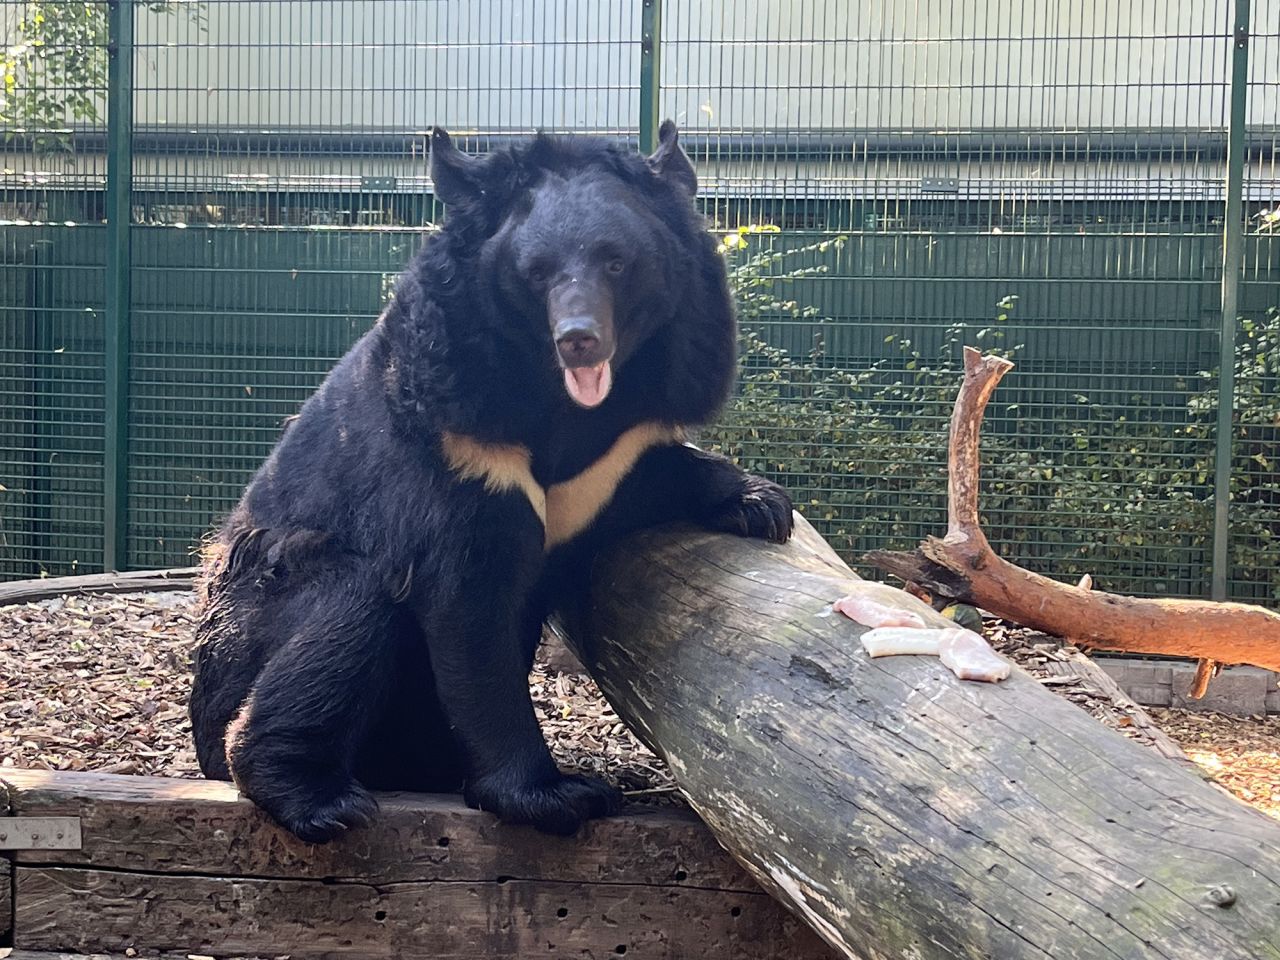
<point>1243,691</point>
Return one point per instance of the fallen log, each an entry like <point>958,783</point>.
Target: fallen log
<point>963,567</point>
<point>899,811</point>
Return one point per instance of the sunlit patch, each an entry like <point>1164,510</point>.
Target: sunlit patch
<point>1252,775</point>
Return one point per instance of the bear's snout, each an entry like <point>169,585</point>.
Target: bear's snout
<point>581,315</point>
<point>578,341</point>
<point>585,346</point>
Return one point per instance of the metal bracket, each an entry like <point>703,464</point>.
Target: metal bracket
<point>1242,37</point>
<point>377,183</point>
<point>940,184</point>
<point>40,833</point>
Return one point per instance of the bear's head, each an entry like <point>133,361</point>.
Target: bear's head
<point>597,258</point>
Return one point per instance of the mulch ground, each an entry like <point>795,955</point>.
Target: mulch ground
<point>101,683</point>
<point>1243,754</point>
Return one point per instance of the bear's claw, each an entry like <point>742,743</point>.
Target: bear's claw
<point>762,510</point>
<point>329,819</point>
<point>559,807</point>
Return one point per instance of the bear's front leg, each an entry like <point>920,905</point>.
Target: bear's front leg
<point>475,620</point>
<point>681,482</point>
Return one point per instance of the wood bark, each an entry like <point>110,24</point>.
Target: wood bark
<point>962,566</point>
<point>1088,672</point>
<point>6,877</point>
<point>899,811</point>
<point>188,866</point>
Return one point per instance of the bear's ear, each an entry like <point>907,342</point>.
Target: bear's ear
<point>455,175</point>
<point>670,162</point>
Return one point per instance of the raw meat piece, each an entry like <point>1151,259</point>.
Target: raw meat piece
<point>970,657</point>
<point>902,641</point>
<point>962,651</point>
<point>869,613</point>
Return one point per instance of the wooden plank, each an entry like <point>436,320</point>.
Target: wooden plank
<point>64,908</point>
<point>138,581</point>
<point>189,866</point>
<point>197,826</point>
<point>6,875</point>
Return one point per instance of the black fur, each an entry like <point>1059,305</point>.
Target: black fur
<point>371,617</point>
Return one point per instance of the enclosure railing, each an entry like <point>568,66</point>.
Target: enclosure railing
<point>203,204</point>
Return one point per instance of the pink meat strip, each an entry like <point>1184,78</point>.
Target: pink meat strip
<point>970,657</point>
<point>962,651</point>
<point>872,614</point>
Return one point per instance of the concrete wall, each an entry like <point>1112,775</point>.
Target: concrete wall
<point>732,64</point>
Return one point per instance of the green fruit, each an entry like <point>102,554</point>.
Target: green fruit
<point>965,616</point>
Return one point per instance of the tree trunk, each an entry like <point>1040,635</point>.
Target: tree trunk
<point>899,811</point>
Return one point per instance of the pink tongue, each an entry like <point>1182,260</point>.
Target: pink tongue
<point>589,385</point>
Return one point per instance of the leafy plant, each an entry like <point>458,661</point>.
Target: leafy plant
<point>1255,468</point>
<point>53,68</point>
<point>1113,489</point>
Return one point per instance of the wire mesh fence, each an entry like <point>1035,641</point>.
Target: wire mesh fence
<point>891,182</point>
<point>52,259</point>
<point>1047,184</point>
<point>1254,560</point>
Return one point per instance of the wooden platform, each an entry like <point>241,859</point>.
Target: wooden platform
<point>187,867</point>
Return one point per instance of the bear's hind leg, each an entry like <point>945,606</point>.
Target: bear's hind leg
<point>293,747</point>
<point>224,670</point>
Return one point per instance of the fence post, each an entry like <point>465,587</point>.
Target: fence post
<point>115,491</point>
<point>1232,255</point>
<point>650,61</point>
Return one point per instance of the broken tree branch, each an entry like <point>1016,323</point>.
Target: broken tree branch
<point>963,567</point>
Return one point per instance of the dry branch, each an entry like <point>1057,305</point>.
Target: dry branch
<point>963,566</point>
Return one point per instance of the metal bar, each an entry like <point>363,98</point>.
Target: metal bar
<point>650,64</point>
<point>40,833</point>
<point>118,296</point>
<point>1084,145</point>
<point>1232,252</point>
<point>40,501</point>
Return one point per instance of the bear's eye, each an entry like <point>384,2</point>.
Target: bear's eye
<point>616,266</point>
<point>538,274</point>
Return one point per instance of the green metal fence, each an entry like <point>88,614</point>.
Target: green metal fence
<point>202,205</point>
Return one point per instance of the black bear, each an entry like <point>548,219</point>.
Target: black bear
<point>374,602</point>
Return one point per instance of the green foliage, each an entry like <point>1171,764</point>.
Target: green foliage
<point>53,68</point>
<point>1255,473</point>
<point>1121,490</point>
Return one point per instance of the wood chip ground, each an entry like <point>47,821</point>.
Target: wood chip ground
<point>101,683</point>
